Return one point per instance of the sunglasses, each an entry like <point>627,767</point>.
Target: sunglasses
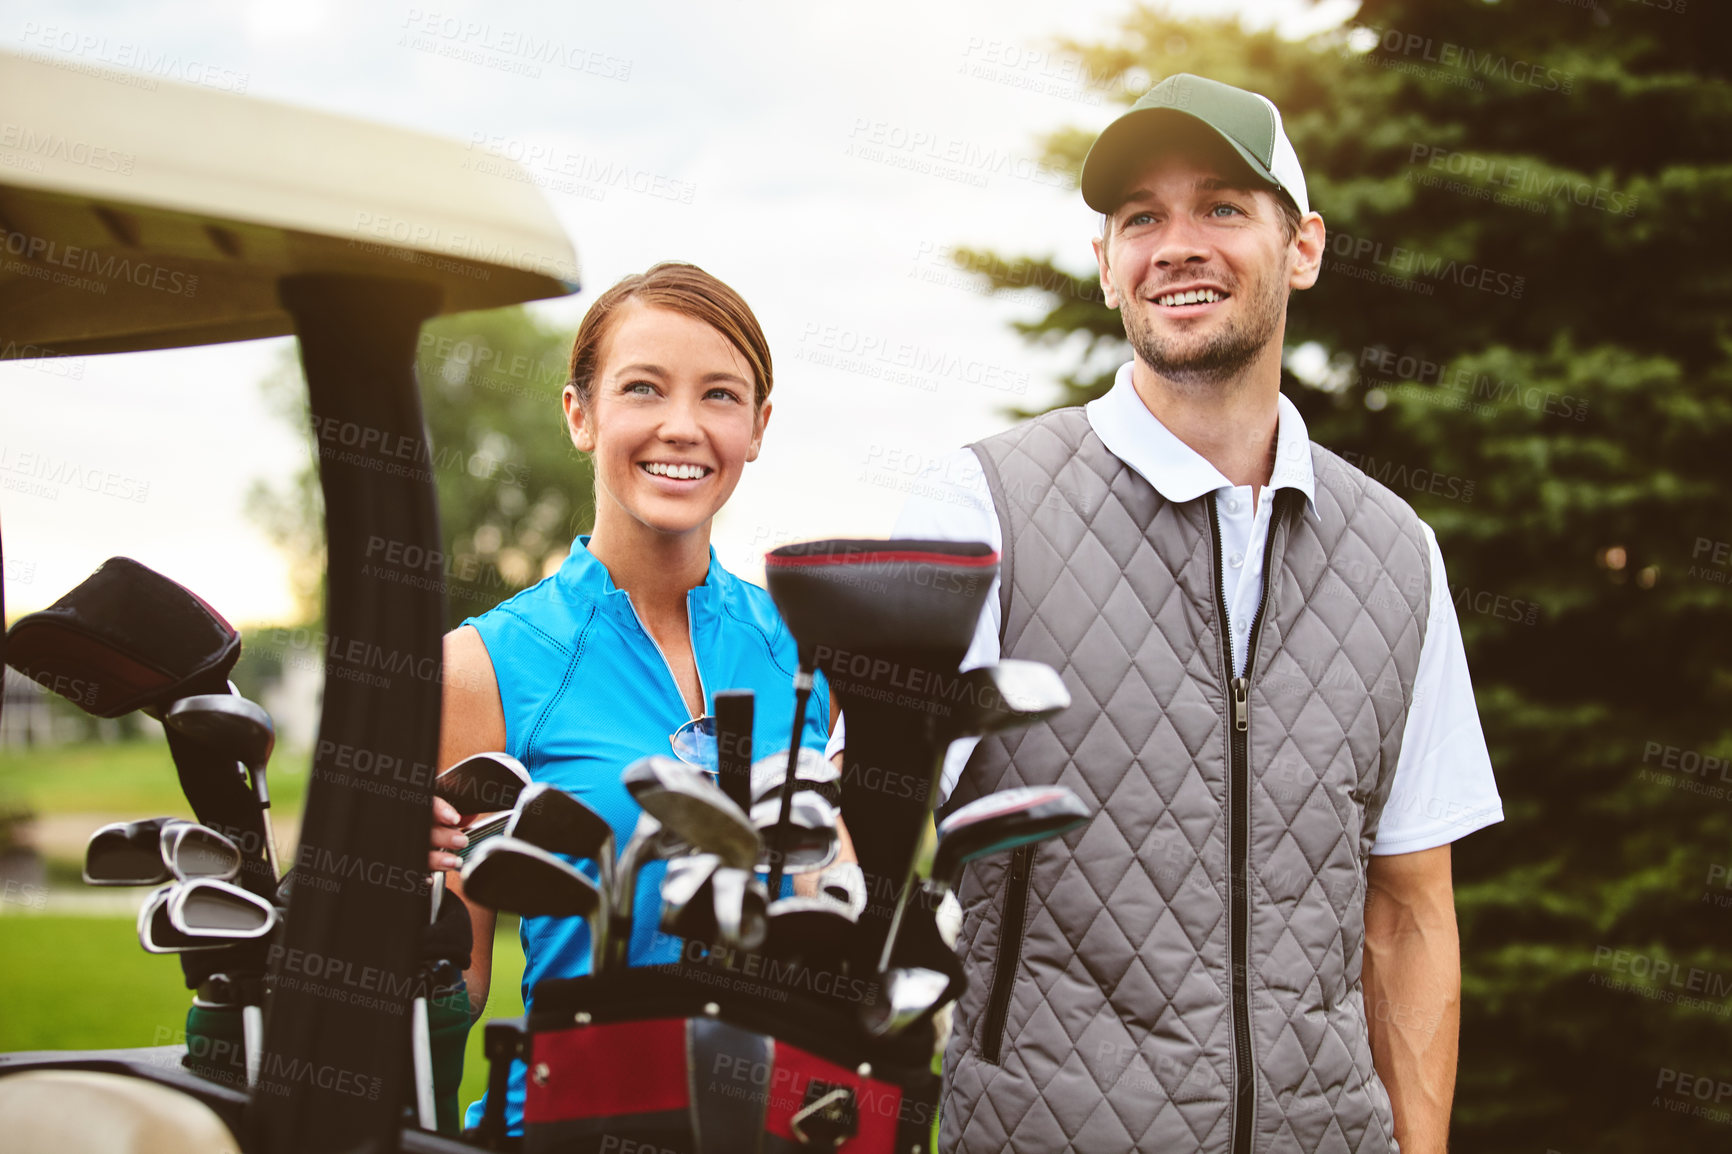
<point>695,743</point>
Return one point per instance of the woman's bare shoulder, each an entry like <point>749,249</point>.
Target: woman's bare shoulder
<point>473,720</point>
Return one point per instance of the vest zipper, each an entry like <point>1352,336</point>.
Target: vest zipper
<point>1009,954</point>
<point>1238,829</point>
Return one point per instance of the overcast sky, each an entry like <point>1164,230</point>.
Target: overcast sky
<point>821,158</point>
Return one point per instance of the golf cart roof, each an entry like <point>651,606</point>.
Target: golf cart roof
<point>143,220</point>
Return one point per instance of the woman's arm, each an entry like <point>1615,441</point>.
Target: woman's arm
<point>473,721</point>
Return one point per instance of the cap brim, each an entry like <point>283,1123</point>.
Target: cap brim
<point>1137,137</point>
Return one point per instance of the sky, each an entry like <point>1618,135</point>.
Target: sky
<point>825,160</point>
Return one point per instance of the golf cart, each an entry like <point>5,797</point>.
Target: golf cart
<point>186,217</point>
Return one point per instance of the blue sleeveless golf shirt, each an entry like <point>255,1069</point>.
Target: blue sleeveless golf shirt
<point>586,692</point>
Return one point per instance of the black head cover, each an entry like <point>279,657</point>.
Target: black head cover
<point>865,597</point>
<point>125,638</point>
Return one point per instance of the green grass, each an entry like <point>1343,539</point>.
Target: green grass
<point>83,983</point>
<point>123,777</point>
<point>74,983</point>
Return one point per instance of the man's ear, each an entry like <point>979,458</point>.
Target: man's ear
<point>1100,245</point>
<point>1307,250</point>
<point>581,427</point>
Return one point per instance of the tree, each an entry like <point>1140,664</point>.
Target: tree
<point>512,490</point>
<point>1521,328</point>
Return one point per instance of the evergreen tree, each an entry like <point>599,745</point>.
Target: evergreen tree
<point>1521,328</point>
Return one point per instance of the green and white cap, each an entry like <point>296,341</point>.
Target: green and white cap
<point>1248,122</point>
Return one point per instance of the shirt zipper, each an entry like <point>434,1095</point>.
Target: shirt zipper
<point>1238,830</point>
<point>691,636</point>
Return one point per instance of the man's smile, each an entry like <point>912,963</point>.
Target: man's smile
<point>1190,296</point>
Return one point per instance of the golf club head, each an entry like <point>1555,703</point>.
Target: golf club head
<point>191,850</point>
<point>685,876</point>
<point>741,907</point>
<point>813,771</point>
<point>812,839</point>
<point>512,875</point>
<point>1002,821</point>
<point>1008,694</point>
<point>906,995</point>
<point>207,909</point>
<point>158,935</point>
<point>694,809</point>
<point>128,853</point>
<point>817,932</point>
<point>227,722</point>
<point>562,823</point>
<point>722,905</point>
<point>845,884</point>
<point>484,783</point>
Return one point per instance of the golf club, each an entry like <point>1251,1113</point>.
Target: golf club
<point>735,709</point>
<point>889,623</point>
<point>562,823</point>
<point>844,883</point>
<point>707,901</point>
<point>811,843</point>
<point>191,850</point>
<point>128,853</point>
<point>648,842</point>
<point>208,908</point>
<point>158,935</point>
<point>813,771</point>
<point>483,783</point>
<point>988,825</point>
<point>421,1056</point>
<point>1002,821</point>
<point>684,877</point>
<point>238,728</point>
<point>694,809</point>
<point>908,994</point>
<point>927,976</point>
<point>512,875</point>
<point>1007,694</point>
<point>816,931</point>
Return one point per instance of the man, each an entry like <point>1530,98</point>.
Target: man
<point>1252,946</point>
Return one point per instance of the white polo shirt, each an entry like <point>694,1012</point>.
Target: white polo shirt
<point>1443,787</point>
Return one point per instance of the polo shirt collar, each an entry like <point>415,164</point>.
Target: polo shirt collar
<point>1178,472</point>
<point>582,574</point>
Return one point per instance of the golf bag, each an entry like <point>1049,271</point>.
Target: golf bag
<point>773,1050</point>
<point>677,1062</point>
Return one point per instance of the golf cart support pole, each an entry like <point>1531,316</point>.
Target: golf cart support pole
<point>335,1070</point>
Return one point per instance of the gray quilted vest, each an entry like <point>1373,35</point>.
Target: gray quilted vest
<point>1183,974</point>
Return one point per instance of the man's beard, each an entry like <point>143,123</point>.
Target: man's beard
<point>1218,359</point>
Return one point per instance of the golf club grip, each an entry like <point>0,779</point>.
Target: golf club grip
<point>779,837</point>
<point>735,714</point>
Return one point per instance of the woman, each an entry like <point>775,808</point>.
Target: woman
<point>598,665</point>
